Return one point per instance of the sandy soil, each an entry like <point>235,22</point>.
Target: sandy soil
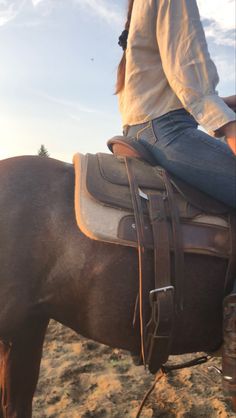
<point>83,379</point>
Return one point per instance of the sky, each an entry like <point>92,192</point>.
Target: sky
<point>58,69</point>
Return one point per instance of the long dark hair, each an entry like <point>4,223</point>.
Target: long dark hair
<point>121,68</point>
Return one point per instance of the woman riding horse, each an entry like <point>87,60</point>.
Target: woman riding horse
<point>166,86</point>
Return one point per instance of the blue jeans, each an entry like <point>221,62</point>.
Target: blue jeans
<point>190,154</point>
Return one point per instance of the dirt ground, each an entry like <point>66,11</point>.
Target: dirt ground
<point>83,379</point>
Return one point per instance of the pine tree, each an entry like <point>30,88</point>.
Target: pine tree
<point>43,152</point>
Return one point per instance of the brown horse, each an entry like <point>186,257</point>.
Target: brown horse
<point>49,269</point>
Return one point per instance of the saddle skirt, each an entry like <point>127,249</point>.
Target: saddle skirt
<point>104,209</point>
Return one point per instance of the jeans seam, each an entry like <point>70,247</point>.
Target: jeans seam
<point>142,130</point>
<point>153,132</point>
<point>149,129</point>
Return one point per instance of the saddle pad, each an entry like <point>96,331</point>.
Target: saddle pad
<point>95,220</point>
<point>98,221</point>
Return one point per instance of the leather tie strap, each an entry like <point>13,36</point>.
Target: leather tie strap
<point>160,326</point>
<point>161,240</point>
<point>155,344</point>
<point>177,243</point>
<point>139,221</point>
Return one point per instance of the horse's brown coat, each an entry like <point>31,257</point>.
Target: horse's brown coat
<point>49,269</point>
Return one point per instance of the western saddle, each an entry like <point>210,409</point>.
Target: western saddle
<point>167,297</point>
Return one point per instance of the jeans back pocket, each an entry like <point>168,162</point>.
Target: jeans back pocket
<point>143,131</point>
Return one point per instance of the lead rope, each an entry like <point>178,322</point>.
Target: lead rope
<point>148,393</point>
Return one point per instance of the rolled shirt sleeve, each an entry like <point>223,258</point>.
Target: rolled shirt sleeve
<point>187,64</point>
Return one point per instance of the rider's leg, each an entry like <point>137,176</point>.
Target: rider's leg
<point>190,154</point>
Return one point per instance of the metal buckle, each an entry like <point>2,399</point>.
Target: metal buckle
<point>142,194</point>
<point>159,290</point>
<point>162,289</point>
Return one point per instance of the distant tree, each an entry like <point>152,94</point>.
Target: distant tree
<point>43,152</point>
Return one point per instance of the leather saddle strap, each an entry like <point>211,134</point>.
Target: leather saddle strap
<point>177,243</point>
<point>161,240</point>
<point>139,221</point>
<point>231,269</point>
<point>162,295</point>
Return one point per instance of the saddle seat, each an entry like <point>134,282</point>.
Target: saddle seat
<point>130,147</point>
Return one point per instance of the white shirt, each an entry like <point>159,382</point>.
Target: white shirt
<point>168,66</point>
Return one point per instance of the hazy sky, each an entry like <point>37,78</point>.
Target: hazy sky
<point>58,69</point>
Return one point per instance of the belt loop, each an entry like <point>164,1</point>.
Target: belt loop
<point>125,130</point>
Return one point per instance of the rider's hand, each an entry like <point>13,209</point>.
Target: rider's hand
<point>231,102</point>
<point>229,132</point>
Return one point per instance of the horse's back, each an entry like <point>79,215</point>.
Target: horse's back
<point>32,179</point>
<point>27,169</point>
